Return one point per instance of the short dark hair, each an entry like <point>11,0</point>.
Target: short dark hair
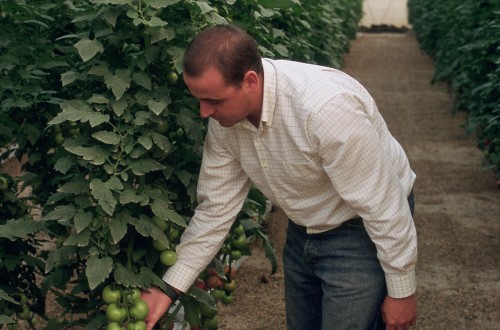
<point>227,48</point>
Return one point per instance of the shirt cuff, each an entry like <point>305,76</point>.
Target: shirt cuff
<point>401,286</point>
<point>180,276</point>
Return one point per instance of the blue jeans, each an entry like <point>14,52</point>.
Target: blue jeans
<point>333,280</point>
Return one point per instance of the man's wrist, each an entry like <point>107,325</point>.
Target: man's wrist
<point>171,292</point>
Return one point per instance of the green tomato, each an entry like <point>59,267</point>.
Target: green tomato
<point>217,294</point>
<point>161,223</point>
<point>115,313</point>
<point>4,183</point>
<point>59,138</point>
<point>239,230</point>
<point>172,77</point>
<point>230,286</point>
<point>110,295</point>
<point>207,310</point>
<point>211,323</point>
<point>114,326</point>
<point>236,254</point>
<point>239,242</point>
<point>139,325</point>
<point>140,310</point>
<point>227,298</point>
<point>168,258</point>
<point>133,294</point>
<point>158,245</point>
<point>25,313</point>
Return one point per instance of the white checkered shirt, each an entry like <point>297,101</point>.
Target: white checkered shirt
<point>323,154</point>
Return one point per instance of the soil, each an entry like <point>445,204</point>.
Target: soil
<point>457,200</point>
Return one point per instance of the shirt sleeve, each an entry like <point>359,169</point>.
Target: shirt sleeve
<point>357,151</point>
<point>222,190</point>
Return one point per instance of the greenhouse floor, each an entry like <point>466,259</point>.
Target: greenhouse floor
<point>457,210</point>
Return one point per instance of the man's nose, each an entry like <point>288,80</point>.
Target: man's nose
<point>206,109</point>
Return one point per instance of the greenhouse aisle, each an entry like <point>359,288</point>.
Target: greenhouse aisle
<point>457,211</point>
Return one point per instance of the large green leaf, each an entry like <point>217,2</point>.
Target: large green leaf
<point>88,48</point>
<point>14,229</point>
<point>146,278</point>
<point>143,166</point>
<point>5,296</point>
<point>103,193</point>
<point>118,228</point>
<point>118,82</point>
<point>78,110</point>
<point>164,211</point>
<point>97,270</point>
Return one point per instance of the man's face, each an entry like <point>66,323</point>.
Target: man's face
<point>228,104</point>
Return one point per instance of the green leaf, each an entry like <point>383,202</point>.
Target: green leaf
<point>107,137</point>
<point>270,252</point>
<point>19,228</point>
<point>282,4</point>
<point>184,176</point>
<point>157,106</point>
<point>59,255</point>
<point>74,187</point>
<point>81,239</point>
<point>4,319</point>
<point>177,54</point>
<point>146,278</point>
<point>119,106</point>
<point>119,82</point>
<point>157,4</point>
<point>102,192</point>
<point>146,141</point>
<point>95,155</point>
<point>62,214</point>
<point>129,196</point>
<point>97,270</point>
<point>142,79</point>
<point>82,220</point>
<point>5,296</point>
<point>69,77</point>
<point>162,142</point>
<point>118,228</point>
<point>98,98</point>
<point>162,33</point>
<point>147,228</point>
<point>143,166</point>
<point>162,209</point>
<point>63,164</point>
<point>88,48</point>
<point>75,110</point>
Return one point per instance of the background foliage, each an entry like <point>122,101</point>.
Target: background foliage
<point>92,92</point>
<point>463,37</point>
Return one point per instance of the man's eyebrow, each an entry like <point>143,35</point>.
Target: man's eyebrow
<point>207,99</point>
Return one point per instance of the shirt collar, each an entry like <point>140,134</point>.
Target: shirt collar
<point>269,97</point>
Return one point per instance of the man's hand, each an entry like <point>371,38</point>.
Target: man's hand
<point>399,313</point>
<point>158,303</point>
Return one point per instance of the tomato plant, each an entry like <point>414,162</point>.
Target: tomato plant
<point>93,97</point>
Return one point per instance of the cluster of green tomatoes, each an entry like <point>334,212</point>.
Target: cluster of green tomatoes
<point>125,309</point>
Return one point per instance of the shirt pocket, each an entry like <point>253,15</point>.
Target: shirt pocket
<point>304,178</point>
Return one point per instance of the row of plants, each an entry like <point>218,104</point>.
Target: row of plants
<point>92,94</point>
<point>463,38</point>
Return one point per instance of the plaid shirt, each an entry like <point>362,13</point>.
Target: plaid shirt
<point>323,154</point>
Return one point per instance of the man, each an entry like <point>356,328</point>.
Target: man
<point>312,140</point>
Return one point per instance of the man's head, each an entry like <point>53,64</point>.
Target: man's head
<point>224,47</point>
<point>223,69</point>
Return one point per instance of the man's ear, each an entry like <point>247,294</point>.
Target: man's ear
<point>251,81</point>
